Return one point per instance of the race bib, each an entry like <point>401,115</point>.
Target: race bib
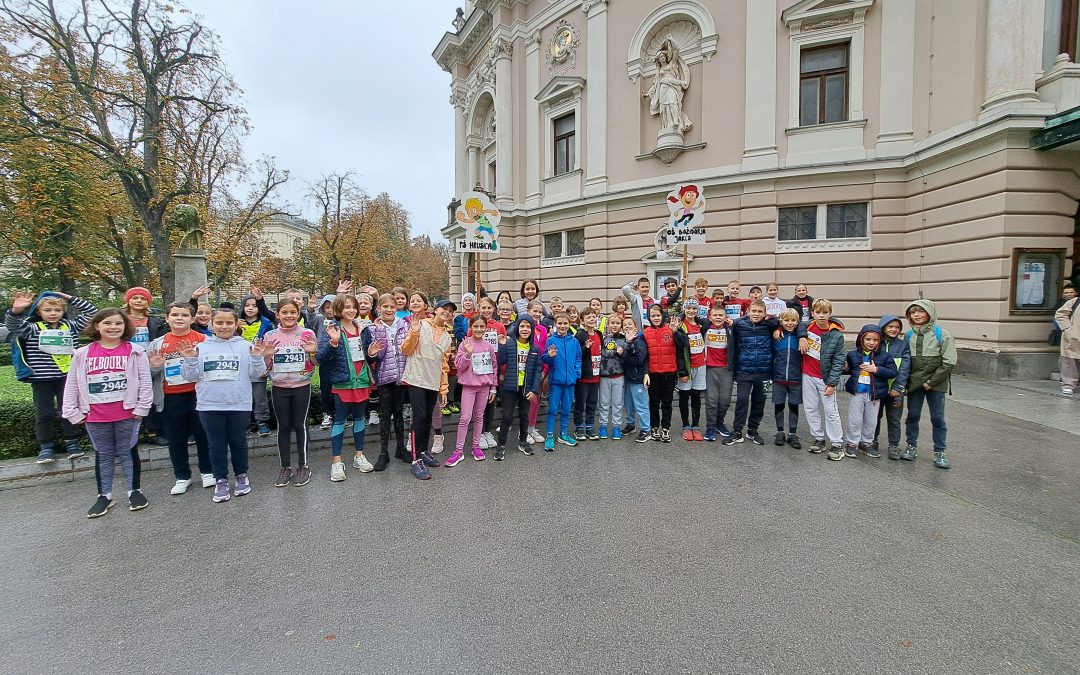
<point>141,336</point>
<point>716,338</point>
<point>522,356</point>
<point>733,311</point>
<point>290,360</point>
<point>492,338</point>
<point>864,377</point>
<point>56,341</point>
<point>174,371</point>
<point>481,363</point>
<point>106,387</point>
<point>806,314</point>
<point>703,312</point>
<point>221,367</point>
<point>697,344</point>
<point>596,365</point>
<point>356,348</point>
<point>814,345</point>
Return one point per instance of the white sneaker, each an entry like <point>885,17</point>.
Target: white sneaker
<point>491,442</point>
<point>208,480</point>
<point>360,462</point>
<point>437,444</point>
<point>180,487</point>
<point>373,419</point>
<point>483,442</point>
<point>337,472</point>
<point>1067,390</point>
<point>327,422</point>
<point>535,436</point>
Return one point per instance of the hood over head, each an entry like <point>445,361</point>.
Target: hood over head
<point>887,319</point>
<point>512,331</point>
<point>927,305</point>
<point>868,328</point>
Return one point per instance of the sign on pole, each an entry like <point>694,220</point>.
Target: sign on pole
<point>481,221</point>
<point>686,224</point>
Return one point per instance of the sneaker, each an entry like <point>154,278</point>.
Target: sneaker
<point>382,461</point>
<point>455,457</point>
<point>818,446</point>
<point>872,452</point>
<point>180,487</point>
<point>724,431</point>
<point>373,418</point>
<point>327,422</point>
<point>592,435</point>
<point>303,475</point>
<point>284,477</point>
<point>1064,390</point>
<point>429,460</point>
<point>73,449</point>
<point>420,471</point>
<point>221,491</point>
<point>603,431</point>
<point>710,435</point>
<point>567,439</point>
<point>579,434</point>
<point>525,449</point>
<point>444,411</point>
<point>535,436</point>
<point>894,452</point>
<point>643,436</point>
<point>243,485</point>
<point>794,442</point>
<point>616,434</point>
<point>628,429</point>
<point>47,455</point>
<point>836,453</point>
<point>478,454</point>
<point>665,435</point>
<point>940,460</point>
<point>656,434</point>
<point>436,444</point>
<point>549,444</point>
<point>100,507</point>
<point>208,480</point>
<point>137,501</point>
<point>697,434</point>
<point>264,429</point>
<point>687,434</point>
<point>755,438</point>
<point>491,442</point>
<point>500,453</point>
<point>910,454</point>
<point>362,463</point>
<point>337,472</point>
<point>454,408</point>
<point>851,450</point>
<point>780,438</point>
<point>482,441</point>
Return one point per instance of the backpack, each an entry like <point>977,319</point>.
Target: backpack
<point>937,333</point>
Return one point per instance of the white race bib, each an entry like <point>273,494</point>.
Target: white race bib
<point>716,338</point>
<point>596,365</point>
<point>481,363</point>
<point>221,367</point>
<point>290,360</point>
<point>56,341</point>
<point>733,311</point>
<point>814,347</point>
<point>806,315</point>
<point>492,338</point>
<point>703,312</point>
<point>523,356</point>
<point>174,370</point>
<point>106,387</point>
<point>356,348</point>
<point>141,336</point>
<point>697,344</point>
<point>864,377</point>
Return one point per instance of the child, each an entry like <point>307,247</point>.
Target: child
<point>787,379</point>
<point>773,304</point>
<point>755,293</point>
<point>223,367</point>
<point>803,303</point>
<point>174,397</point>
<point>401,302</point>
<point>691,387</point>
<point>701,294</point>
<point>326,398</point>
<point>933,357</point>
<point>718,377</point>
<point>587,390</point>
<point>575,318</point>
<point>137,306</point>
<point>495,336</point>
<point>896,346</point>
<point>477,371</point>
<point>557,307</point>
<point>253,326</point>
<point>530,293</point>
<point>201,322</point>
<point>635,366</point>
<point>823,362</point>
<point>506,314</point>
<point>342,348</point>
<point>871,369</point>
<point>520,356</point>
<point>612,382</point>
<point>637,294</point>
<point>540,335</point>
<point>110,390</point>
<point>734,306</point>
<point>504,296</point>
<point>388,333</point>
<point>671,303</point>
<point>42,350</point>
<point>562,354</point>
<point>426,346</point>
<point>290,369</point>
<point>667,363</point>
<point>618,307</point>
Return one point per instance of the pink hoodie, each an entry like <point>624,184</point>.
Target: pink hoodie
<point>482,358</point>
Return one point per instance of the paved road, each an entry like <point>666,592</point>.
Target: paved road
<point>610,557</point>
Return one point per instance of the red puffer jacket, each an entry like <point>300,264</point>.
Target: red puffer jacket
<point>662,350</point>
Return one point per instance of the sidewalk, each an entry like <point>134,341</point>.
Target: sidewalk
<point>1036,401</point>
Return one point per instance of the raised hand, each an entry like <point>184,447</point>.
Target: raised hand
<point>254,290</point>
<point>155,358</point>
<point>469,348</point>
<point>186,349</point>
<point>261,348</point>
<point>344,286</point>
<point>20,300</point>
<point>309,345</point>
<point>502,339</point>
<point>374,348</point>
<point>199,292</point>
<point>552,351</point>
<point>334,333</point>
<point>311,302</point>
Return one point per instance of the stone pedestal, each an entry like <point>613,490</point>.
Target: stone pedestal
<point>190,271</point>
<point>669,144</point>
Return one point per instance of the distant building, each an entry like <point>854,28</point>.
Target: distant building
<point>280,237</point>
<point>876,150</point>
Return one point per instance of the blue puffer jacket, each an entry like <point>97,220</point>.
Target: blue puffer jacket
<point>334,362</point>
<point>636,360</point>
<point>787,359</point>
<point>508,357</point>
<point>753,344</point>
<point>879,381</point>
<point>565,366</point>
<point>899,350</point>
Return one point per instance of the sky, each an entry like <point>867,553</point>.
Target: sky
<point>340,85</point>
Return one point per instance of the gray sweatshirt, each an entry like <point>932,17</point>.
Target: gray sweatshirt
<point>223,372</point>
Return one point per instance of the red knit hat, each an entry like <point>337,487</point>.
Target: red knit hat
<point>138,290</point>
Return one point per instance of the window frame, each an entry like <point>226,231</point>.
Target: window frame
<point>569,138</point>
<point>564,257</point>
<point>821,76</point>
<point>821,240</point>
<point>1051,284</point>
<point>1067,32</point>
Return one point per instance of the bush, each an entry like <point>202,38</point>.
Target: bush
<point>5,353</point>
<point>16,417</point>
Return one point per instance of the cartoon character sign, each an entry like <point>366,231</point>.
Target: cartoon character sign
<point>481,220</point>
<point>686,223</point>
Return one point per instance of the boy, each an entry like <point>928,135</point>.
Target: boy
<point>587,390</point>
<point>612,384</point>
<point>823,362</point>
<point>787,379</point>
<point>870,370</point>
<point>672,302</point>
<point>557,307</point>
<point>43,346</point>
<point>701,294</point>
<point>755,293</point>
<point>717,374</point>
<point>773,304</point>
<point>734,306</point>
<point>933,357</point>
<point>896,346</point>
<point>174,397</point>
<point>636,366</point>
<point>637,295</point>
<point>692,388</point>
<point>562,354</point>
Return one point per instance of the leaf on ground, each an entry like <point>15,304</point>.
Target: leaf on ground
<point>329,637</point>
<point>906,644</point>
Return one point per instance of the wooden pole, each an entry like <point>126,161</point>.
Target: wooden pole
<point>683,262</point>
<point>477,291</point>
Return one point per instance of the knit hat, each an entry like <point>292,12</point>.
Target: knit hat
<point>468,296</point>
<point>138,290</point>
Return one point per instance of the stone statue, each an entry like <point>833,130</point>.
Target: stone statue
<point>186,218</point>
<point>666,94</point>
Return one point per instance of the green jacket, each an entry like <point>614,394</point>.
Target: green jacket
<point>933,352</point>
<point>833,354</point>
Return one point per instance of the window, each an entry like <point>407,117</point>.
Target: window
<point>823,227</point>
<point>565,129</point>
<point>575,242</point>
<point>796,223</point>
<point>845,221</point>
<point>1060,30</point>
<point>1036,279</point>
<point>553,245</point>
<point>823,85</point>
<point>564,248</point>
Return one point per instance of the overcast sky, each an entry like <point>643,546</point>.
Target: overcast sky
<point>337,85</point>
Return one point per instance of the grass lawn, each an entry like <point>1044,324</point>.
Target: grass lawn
<point>10,389</point>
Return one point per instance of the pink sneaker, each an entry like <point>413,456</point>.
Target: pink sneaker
<point>478,454</point>
<point>453,459</point>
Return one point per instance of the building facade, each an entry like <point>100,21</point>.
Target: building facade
<point>875,150</point>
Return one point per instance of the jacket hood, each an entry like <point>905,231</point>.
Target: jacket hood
<point>513,330</point>
<point>868,328</point>
<point>834,324</point>
<point>886,320</point>
<point>32,310</point>
<point>325,299</point>
<point>648,312</point>
<point>213,338</point>
<point>928,306</point>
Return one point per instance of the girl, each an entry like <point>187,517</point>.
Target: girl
<point>504,296</point>
<point>253,326</point>
<point>290,368</point>
<point>530,292</point>
<point>612,382</point>
<point>137,306</point>
<point>495,336</point>
<point>597,305</point>
<point>388,334</point>
<point>665,344</point>
<point>540,335</point>
<point>520,356</point>
<point>426,347</point>
<point>203,312</point>
<point>692,388</point>
<point>326,398</point>
<point>401,302</point>
<point>365,317</point>
<point>574,315</point>
<point>478,375</point>
<point>109,388</point>
<point>803,303</point>
<point>342,350</point>
<point>618,307</point>
<point>223,368</point>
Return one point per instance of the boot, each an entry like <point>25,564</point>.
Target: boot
<point>382,461</point>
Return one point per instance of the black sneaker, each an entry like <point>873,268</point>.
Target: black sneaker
<point>780,439</point>
<point>665,435</point>
<point>137,501</point>
<point>643,436</point>
<point>500,452</point>
<point>284,477</point>
<point>656,434</point>
<point>525,448</point>
<point>755,437</point>
<point>429,459</point>
<point>592,435</point>
<point>793,441</point>
<point>735,437</point>
<point>818,446</point>
<point>100,507</point>
<point>628,429</point>
<point>579,434</point>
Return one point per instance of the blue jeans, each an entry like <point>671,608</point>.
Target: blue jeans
<point>630,404</point>
<point>561,399</point>
<point>936,401</point>
<point>226,434</point>
<point>636,392</point>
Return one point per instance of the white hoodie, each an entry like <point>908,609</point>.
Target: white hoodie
<point>223,372</point>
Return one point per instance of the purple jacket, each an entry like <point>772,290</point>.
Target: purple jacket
<point>389,362</point>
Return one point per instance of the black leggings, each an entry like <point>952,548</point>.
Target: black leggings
<point>291,409</point>
<point>693,398</point>
<point>661,391</point>
<point>511,400</point>
<point>391,405</point>
<point>423,403</point>
<point>793,417</point>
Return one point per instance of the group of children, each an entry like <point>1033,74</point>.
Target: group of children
<point>203,373</point>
